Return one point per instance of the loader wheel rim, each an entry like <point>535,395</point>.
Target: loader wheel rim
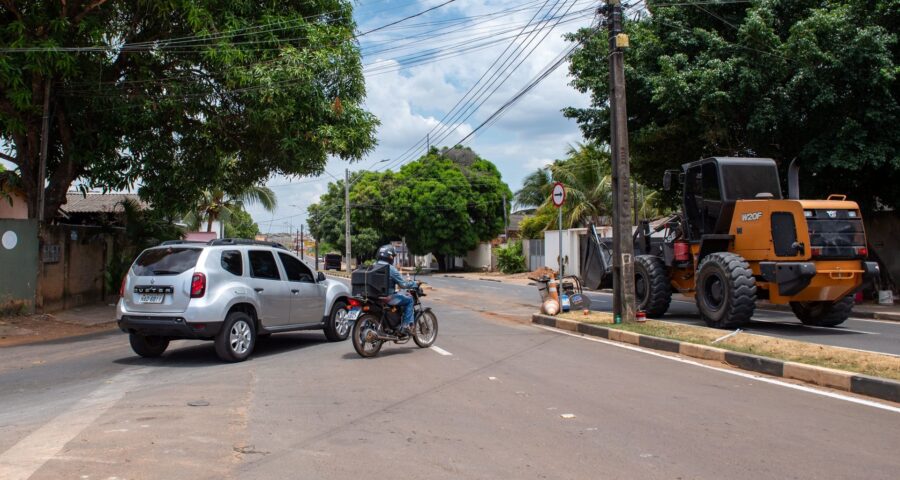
<point>641,288</point>
<point>714,291</point>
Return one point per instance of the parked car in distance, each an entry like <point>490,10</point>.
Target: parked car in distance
<point>230,291</point>
<point>332,261</point>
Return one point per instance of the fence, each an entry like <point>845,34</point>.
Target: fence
<point>18,265</point>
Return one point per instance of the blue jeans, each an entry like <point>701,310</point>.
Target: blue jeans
<point>405,302</point>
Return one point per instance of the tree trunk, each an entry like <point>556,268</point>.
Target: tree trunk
<point>209,222</point>
<point>442,262</point>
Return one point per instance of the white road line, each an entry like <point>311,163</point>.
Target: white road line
<point>441,351</point>
<point>760,378</point>
<point>24,458</point>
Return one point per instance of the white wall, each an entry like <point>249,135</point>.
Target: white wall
<point>571,249</point>
<point>480,256</point>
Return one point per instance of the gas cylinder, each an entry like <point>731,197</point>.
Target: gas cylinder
<point>682,251</point>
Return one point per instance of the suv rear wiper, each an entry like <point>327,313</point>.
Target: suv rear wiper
<point>164,272</point>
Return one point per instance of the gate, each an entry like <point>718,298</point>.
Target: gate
<point>535,254</point>
<point>19,258</point>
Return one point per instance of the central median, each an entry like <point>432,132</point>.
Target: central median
<point>866,373</point>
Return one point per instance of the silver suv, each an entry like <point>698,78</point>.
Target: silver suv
<point>230,291</point>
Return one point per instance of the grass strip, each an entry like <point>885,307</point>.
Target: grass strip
<point>868,363</point>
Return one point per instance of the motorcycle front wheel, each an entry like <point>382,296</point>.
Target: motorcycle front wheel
<point>364,335</point>
<point>426,329</point>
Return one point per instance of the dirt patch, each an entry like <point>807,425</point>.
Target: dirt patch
<point>22,330</point>
<point>868,363</point>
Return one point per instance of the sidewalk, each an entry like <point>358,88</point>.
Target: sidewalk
<point>24,329</point>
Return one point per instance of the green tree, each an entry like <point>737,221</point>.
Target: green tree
<point>807,79</point>
<point>443,203</point>
<point>241,225</point>
<point>535,189</point>
<point>153,93</point>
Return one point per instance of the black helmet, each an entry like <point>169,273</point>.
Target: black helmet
<point>387,253</point>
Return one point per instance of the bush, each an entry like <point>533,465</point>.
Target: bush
<point>510,258</point>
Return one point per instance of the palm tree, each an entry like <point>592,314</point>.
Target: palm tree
<point>216,204</point>
<point>585,172</point>
<point>535,189</point>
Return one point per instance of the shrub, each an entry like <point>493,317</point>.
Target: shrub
<point>510,258</point>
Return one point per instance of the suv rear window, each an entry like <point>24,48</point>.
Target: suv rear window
<point>166,261</point>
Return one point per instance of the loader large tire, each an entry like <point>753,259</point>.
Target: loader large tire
<point>726,290</point>
<point>653,291</point>
<point>823,314</point>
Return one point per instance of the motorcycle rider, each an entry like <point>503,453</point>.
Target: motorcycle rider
<point>401,299</point>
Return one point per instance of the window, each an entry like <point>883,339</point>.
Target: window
<point>710,182</point>
<point>166,261</point>
<point>262,265</point>
<point>232,262</point>
<point>295,269</point>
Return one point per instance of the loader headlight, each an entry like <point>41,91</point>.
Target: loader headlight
<point>852,214</point>
<point>808,213</point>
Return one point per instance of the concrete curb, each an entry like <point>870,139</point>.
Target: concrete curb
<point>851,382</point>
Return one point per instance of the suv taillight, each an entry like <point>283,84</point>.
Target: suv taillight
<point>122,287</point>
<point>198,285</point>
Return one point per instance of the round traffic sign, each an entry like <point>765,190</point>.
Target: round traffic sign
<point>558,196</point>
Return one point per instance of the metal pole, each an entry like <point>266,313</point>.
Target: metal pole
<point>623,246</point>
<point>347,216</point>
<point>562,267</point>
<point>302,243</point>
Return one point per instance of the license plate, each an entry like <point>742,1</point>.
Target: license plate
<point>353,314</point>
<point>152,298</point>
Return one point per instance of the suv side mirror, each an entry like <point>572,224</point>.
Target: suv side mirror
<point>320,277</point>
<point>667,179</point>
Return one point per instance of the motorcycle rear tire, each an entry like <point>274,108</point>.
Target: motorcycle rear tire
<point>358,335</point>
<point>426,338</point>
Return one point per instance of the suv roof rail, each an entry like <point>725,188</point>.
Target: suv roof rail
<point>244,241</point>
<point>181,242</point>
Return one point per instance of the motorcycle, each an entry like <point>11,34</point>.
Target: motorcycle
<point>377,322</point>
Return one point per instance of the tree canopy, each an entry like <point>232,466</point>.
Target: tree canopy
<point>154,93</point>
<point>807,79</point>
<point>443,203</point>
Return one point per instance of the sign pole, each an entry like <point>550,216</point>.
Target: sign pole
<point>558,196</point>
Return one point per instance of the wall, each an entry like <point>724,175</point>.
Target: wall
<point>18,210</point>
<point>18,265</point>
<point>479,257</point>
<point>882,232</point>
<point>571,246</point>
<point>73,261</point>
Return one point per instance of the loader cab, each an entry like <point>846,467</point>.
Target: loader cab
<point>713,185</point>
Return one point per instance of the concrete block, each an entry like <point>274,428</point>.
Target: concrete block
<point>755,363</point>
<point>876,387</point>
<point>623,336</point>
<point>825,377</point>
<point>593,330</point>
<point>702,351</point>
<point>542,319</point>
<point>662,344</point>
<point>569,325</point>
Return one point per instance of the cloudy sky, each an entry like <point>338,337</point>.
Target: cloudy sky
<point>418,70</point>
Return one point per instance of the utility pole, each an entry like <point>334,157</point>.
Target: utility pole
<point>505,219</point>
<point>623,245</point>
<point>45,138</point>
<point>347,216</point>
<point>302,244</point>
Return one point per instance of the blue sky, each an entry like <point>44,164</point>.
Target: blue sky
<point>411,101</point>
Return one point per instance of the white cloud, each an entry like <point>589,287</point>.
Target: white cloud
<point>411,102</point>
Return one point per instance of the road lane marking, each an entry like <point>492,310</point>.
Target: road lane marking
<point>769,380</point>
<point>441,351</point>
<point>24,458</point>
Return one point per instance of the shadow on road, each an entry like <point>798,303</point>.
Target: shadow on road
<point>203,353</point>
<point>383,353</point>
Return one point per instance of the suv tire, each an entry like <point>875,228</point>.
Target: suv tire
<point>337,328</point>
<point>148,346</point>
<point>236,339</point>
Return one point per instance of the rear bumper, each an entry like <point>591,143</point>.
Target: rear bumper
<point>172,327</point>
<point>792,278</point>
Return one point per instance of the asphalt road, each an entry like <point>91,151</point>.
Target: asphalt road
<point>857,333</point>
<point>500,399</point>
